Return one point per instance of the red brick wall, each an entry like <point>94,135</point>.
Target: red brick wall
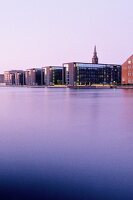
<point>127,71</point>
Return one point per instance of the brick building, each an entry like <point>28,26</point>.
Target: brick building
<point>127,71</point>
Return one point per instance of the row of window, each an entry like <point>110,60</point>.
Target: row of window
<point>130,80</point>
<point>130,73</point>
<point>128,67</point>
<point>130,61</point>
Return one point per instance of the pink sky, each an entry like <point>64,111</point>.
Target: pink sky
<point>36,33</point>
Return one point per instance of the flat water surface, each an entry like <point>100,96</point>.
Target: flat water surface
<point>66,144</point>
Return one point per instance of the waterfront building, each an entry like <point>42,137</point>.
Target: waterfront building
<point>14,77</point>
<point>53,75</point>
<point>19,78</point>
<point>9,77</point>
<point>33,77</point>
<point>77,73</point>
<point>127,71</point>
<point>1,78</point>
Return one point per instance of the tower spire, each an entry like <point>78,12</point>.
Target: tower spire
<point>95,57</point>
<point>95,49</point>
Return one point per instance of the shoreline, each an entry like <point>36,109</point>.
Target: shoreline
<point>70,87</point>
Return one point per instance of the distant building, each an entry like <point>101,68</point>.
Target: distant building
<point>19,78</point>
<point>127,71</point>
<point>9,77</point>
<point>95,57</point>
<point>77,73</point>
<point>53,75</point>
<point>33,77</point>
<point>1,78</point>
<point>14,77</point>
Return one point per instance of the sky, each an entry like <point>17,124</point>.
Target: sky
<point>38,33</point>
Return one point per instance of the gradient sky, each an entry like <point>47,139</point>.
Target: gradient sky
<point>36,33</point>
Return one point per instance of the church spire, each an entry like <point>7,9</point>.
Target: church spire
<point>95,57</point>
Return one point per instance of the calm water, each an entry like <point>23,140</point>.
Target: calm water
<point>66,144</point>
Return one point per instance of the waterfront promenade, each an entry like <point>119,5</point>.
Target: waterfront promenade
<point>72,87</point>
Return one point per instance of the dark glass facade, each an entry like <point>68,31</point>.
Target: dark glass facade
<point>53,75</point>
<point>33,77</point>
<point>38,77</point>
<point>88,74</point>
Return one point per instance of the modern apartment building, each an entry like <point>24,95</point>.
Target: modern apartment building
<point>14,77</point>
<point>74,74</point>
<point>33,77</point>
<point>127,71</point>
<point>77,73</point>
<point>19,78</point>
<point>53,75</point>
<point>1,78</point>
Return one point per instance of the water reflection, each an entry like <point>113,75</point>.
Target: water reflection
<point>66,144</point>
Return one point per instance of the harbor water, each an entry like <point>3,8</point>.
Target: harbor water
<point>60,143</point>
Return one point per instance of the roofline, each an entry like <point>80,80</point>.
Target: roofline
<point>53,66</point>
<point>127,59</point>
<point>91,63</point>
<point>33,69</point>
<point>14,70</point>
